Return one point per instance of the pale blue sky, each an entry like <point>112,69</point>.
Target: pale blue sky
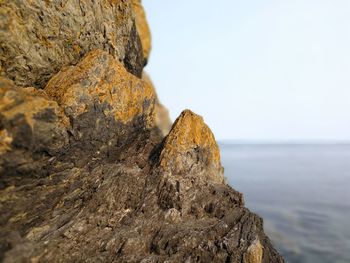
<point>258,70</point>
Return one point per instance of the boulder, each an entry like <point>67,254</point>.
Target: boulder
<point>190,148</point>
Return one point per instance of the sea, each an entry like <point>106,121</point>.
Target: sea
<point>302,192</point>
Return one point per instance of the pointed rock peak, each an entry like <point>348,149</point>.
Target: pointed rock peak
<point>190,146</point>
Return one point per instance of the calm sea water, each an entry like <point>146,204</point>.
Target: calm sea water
<point>301,191</point>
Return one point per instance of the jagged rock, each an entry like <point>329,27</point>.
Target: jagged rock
<point>130,204</point>
<point>38,37</point>
<point>190,148</point>
<point>162,117</point>
<point>85,173</point>
<point>101,81</point>
<point>32,127</point>
<point>128,209</point>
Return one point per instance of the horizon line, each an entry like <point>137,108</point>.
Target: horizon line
<point>285,141</point>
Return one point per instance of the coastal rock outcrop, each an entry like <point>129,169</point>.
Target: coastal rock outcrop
<point>190,148</point>
<point>39,37</point>
<point>142,27</point>
<point>33,127</point>
<point>90,169</point>
<point>100,81</point>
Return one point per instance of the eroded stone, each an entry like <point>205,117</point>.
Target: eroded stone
<point>191,147</point>
<point>39,37</point>
<point>100,79</point>
<point>85,173</point>
<point>30,123</point>
<point>142,27</point>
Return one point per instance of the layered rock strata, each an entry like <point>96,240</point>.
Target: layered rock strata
<point>86,174</point>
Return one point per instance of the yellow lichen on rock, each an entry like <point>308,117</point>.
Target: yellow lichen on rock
<point>5,141</point>
<point>18,101</point>
<point>142,27</point>
<point>189,134</point>
<point>29,113</point>
<point>39,37</point>
<point>100,79</point>
<point>26,101</point>
<point>254,253</point>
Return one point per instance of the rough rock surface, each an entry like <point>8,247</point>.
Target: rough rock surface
<point>38,37</point>
<point>86,174</point>
<point>142,27</point>
<point>189,142</point>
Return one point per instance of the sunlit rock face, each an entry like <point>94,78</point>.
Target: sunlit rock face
<point>190,148</point>
<point>101,81</point>
<point>39,37</point>
<point>142,27</point>
<point>91,169</point>
<point>32,127</point>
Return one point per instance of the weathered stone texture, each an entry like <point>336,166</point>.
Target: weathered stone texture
<point>38,37</point>
<point>190,142</point>
<point>86,174</point>
<point>99,78</point>
<point>32,126</point>
<point>142,27</point>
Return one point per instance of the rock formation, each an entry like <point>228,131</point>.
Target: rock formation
<point>39,37</point>
<point>86,174</point>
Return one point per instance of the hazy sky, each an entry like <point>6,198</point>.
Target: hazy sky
<point>272,69</point>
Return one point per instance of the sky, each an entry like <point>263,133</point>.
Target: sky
<point>255,70</point>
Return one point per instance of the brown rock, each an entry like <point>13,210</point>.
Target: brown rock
<point>118,209</point>
<point>85,174</point>
<point>191,147</point>
<point>100,79</point>
<point>254,253</point>
<point>30,124</point>
<point>142,27</point>
<point>5,141</point>
<point>38,37</point>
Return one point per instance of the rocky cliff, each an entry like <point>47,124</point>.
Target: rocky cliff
<point>90,168</point>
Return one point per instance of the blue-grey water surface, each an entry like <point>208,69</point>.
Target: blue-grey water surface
<point>301,191</point>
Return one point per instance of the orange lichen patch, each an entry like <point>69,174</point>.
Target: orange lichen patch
<point>189,132</point>
<point>25,101</point>
<point>5,141</point>
<point>142,27</point>
<point>99,78</point>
